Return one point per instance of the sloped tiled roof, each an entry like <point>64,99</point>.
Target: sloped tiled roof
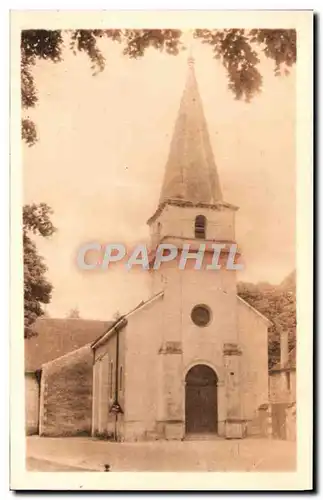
<point>57,337</point>
<point>264,318</point>
<point>290,365</point>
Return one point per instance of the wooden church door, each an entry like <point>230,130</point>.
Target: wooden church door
<point>201,400</point>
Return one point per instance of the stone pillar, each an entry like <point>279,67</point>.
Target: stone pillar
<point>222,411</point>
<point>234,424</point>
<point>95,405</point>
<point>172,425</point>
<point>284,348</point>
<point>42,407</point>
<point>270,422</point>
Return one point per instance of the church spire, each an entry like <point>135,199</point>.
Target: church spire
<point>191,174</point>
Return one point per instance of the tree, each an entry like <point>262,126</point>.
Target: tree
<point>37,289</point>
<point>238,50</point>
<point>278,304</point>
<point>74,313</point>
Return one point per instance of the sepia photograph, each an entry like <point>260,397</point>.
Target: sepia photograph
<point>158,319</point>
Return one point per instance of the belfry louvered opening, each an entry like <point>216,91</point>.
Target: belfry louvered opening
<point>200,227</point>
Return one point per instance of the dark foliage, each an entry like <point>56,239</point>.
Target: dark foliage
<point>278,304</point>
<point>238,49</point>
<point>37,289</point>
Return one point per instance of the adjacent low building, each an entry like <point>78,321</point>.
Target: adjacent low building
<point>58,374</point>
<point>282,393</point>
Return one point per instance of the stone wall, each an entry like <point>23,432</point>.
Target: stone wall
<point>104,387</point>
<point>199,345</point>
<point>253,339</point>
<point>143,379</point>
<point>279,391</point>
<point>66,395</point>
<point>291,423</point>
<point>31,403</point>
<point>179,222</point>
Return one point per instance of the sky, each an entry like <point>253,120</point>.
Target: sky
<point>99,163</point>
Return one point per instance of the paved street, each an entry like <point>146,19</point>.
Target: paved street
<point>39,465</point>
<point>212,455</point>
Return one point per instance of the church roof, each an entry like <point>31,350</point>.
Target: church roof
<point>57,337</point>
<point>123,320</point>
<point>191,173</point>
<point>253,309</point>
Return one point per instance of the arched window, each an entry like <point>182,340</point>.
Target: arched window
<point>200,226</point>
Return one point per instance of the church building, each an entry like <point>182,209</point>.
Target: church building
<point>193,359</point>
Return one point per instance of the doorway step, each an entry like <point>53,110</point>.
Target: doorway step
<point>202,437</point>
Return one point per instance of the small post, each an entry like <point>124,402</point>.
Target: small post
<point>116,427</point>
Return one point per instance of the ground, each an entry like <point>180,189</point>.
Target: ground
<point>40,465</point>
<point>63,454</point>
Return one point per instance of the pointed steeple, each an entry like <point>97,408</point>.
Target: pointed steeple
<point>191,174</point>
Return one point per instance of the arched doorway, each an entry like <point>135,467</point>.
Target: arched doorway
<point>201,400</point>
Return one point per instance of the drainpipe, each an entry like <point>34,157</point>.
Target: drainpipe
<point>116,408</point>
<point>38,375</point>
<point>116,386</point>
<point>117,367</point>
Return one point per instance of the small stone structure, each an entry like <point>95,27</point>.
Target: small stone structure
<point>282,392</point>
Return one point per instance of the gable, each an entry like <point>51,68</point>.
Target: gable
<point>123,320</point>
<point>254,311</point>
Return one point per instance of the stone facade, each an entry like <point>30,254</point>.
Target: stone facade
<point>282,394</point>
<point>32,402</point>
<point>253,339</point>
<point>66,395</point>
<point>155,368</point>
<point>108,386</point>
<point>46,351</point>
<point>175,222</point>
<point>282,386</point>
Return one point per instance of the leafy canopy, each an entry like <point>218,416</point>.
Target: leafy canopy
<point>37,289</point>
<point>238,50</point>
<point>278,304</point>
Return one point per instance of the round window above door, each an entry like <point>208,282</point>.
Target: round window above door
<point>201,315</point>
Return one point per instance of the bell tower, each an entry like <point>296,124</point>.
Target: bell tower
<point>199,323</point>
<point>191,209</point>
